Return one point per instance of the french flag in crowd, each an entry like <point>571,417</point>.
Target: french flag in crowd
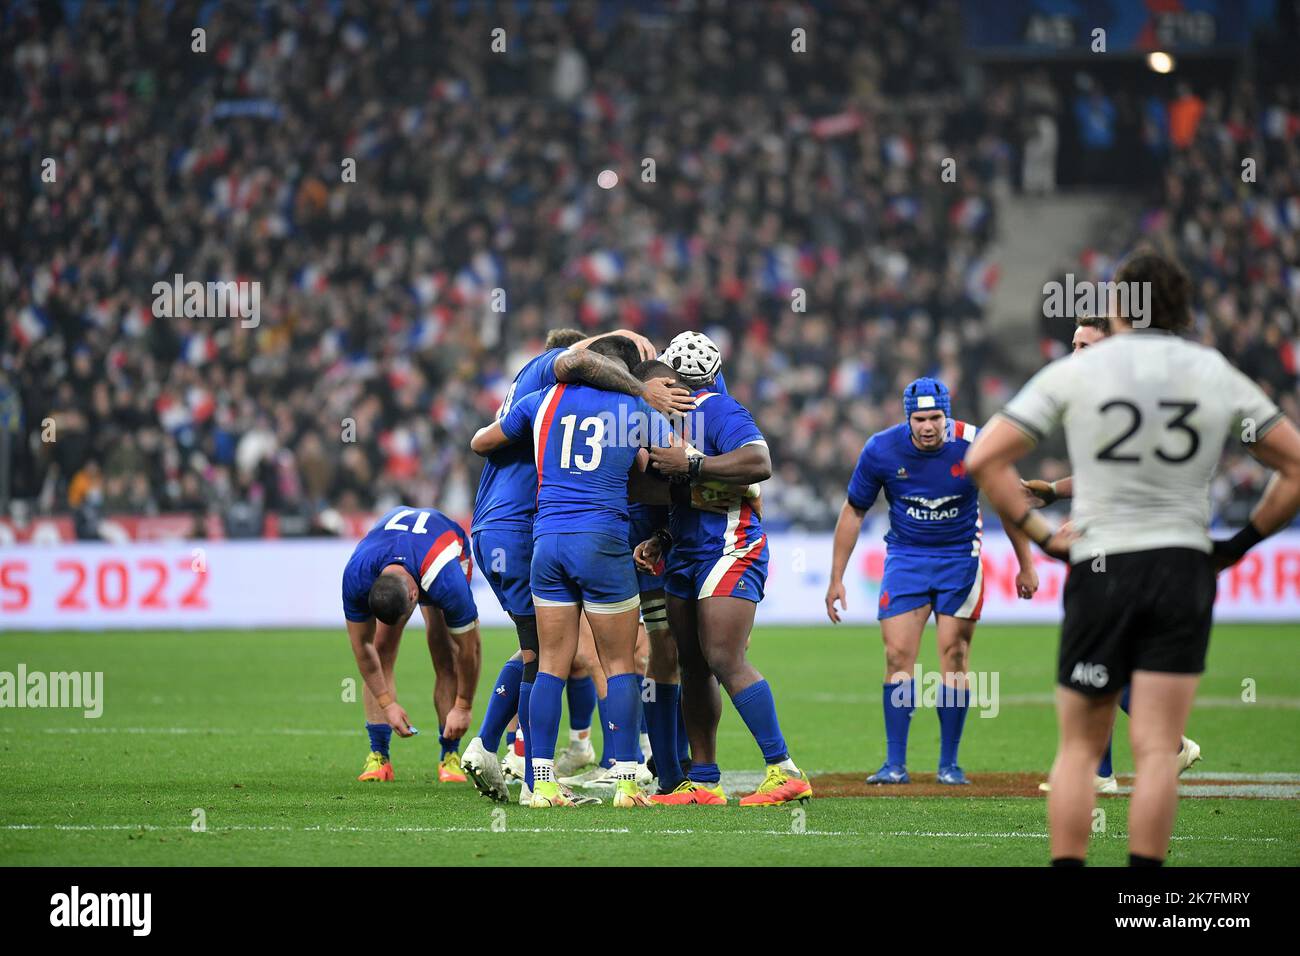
<point>32,324</point>
<point>1292,279</point>
<point>780,268</point>
<point>199,349</point>
<point>426,288</point>
<point>850,378</point>
<point>428,330</point>
<point>451,91</point>
<point>969,213</point>
<point>1096,264</point>
<point>902,209</point>
<point>202,403</point>
<point>312,279</point>
<point>601,267</point>
<point>981,279</point>
<point>596,305</point>
<point>899,151</point>
<point>473,281</point>
<point>670,252</point>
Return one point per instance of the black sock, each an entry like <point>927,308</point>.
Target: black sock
<point>1136,860</point>
<point>1067,861</point>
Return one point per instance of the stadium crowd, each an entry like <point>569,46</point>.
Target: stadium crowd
<point>1227,206</point>
<point>779,177</point>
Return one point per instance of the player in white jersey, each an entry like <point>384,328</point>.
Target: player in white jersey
<point>1145,415</point>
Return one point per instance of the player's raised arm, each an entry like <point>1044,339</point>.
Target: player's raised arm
<point>600,371</point>
<point>645,348</point>
<point>510,428</point>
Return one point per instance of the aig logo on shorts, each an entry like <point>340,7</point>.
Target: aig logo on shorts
<point>1094,675</point>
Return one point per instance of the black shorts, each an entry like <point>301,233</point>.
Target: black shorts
<point>1146,610</point>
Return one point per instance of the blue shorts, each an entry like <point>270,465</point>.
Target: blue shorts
<point>505,558</point>
<point>594,570</point>
<point>952,584</point>
<point>741,574</point>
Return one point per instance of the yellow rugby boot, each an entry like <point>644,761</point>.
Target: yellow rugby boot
<point>377,769</point>
<point>450,770</point>
<point>778,787</point>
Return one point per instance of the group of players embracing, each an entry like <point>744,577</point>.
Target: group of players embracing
<point>618,488</point>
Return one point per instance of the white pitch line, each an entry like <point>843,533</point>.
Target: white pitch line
<point>922,834</point>
<point>1048,700</point>
<point>198,731</point>
<point>151,828</point>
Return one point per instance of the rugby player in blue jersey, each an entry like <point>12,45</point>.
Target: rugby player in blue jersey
<point>410,556</point>
<point>716,557</point>
<point>502,527</point>
<point>932,564</point>
<point>587,445</point>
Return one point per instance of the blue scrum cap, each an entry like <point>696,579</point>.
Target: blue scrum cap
<point>925,394</point>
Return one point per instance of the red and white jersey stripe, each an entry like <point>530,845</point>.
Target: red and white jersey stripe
<point>542,426</point>
<point>445,548</point>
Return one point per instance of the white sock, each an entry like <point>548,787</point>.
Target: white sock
<point>579,736</point>
<point>623,770</point>
<point>543,770</point>
<point>787,765</point>
<point>645,746</point>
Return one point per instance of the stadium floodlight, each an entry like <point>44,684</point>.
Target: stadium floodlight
<point>1160,62</point>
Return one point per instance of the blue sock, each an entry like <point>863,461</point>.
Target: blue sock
<point>510,734</point>
<point>581,692</point>
<point>525,692</point>
<point>705,773</point>
<point>640,721</point>
<point>683,742</point>
<point>954,702</point>
<point>622,701</point>
<point>900,701</point>
<point>1124,698</point>
<point>547,700</point>
<point>661,719</point>
<point>758,710</point>
<point>1106,768</point>
<point>449,745</point>
<point>380,735</point>
<point>502,705</point>
<point>606,735</point>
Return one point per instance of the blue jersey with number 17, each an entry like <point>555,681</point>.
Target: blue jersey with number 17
<point>433,550</point>
<point>585,441</point>
<point>507,488</point>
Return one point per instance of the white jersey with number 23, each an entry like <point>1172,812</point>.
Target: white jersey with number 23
<point>1146,415</point>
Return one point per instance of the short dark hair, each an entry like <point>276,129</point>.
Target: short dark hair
<point>388,599</point>
<point>1171,289</point>
<point>563,338</point>
<point>653,368</point>
<point>618,347</point>
<point>1098,322</point>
